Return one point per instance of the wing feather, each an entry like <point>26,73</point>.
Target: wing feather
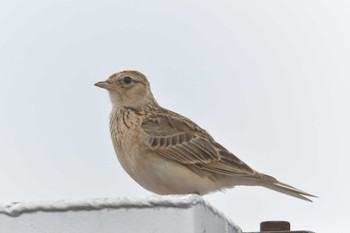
<point>178,138</point>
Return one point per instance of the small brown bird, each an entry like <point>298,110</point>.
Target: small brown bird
<point>167,153</point>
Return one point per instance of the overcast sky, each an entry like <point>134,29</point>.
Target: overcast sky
<point>270,80</point>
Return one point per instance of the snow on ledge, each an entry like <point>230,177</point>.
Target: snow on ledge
<point>177,201</point>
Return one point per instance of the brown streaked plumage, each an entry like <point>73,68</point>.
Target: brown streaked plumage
<point>167,153</point>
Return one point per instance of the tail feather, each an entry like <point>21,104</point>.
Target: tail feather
<point>271,183</point>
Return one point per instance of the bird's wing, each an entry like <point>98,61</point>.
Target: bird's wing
<point>178,138</point>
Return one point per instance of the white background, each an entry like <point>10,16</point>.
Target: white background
<point>270,80</point>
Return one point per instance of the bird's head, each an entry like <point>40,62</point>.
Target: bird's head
<point>128,88</point>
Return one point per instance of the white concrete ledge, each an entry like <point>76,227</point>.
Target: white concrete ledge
<point>178,213</point>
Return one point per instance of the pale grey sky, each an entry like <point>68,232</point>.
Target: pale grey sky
<point>270,80</point>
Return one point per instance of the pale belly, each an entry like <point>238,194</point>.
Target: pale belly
<point>162,176</point>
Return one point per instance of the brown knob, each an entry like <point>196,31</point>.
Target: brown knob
<point>275,226</point>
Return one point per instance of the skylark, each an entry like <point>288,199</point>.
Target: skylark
<point>167,153</point>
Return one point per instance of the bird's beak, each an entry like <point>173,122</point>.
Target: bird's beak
<point>106,85</point>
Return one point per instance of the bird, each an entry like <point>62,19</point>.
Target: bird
<point>169,154</point>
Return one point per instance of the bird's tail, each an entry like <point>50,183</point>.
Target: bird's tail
<point>271,183</point>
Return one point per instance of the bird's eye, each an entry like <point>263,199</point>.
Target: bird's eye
<point>127,80</point>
